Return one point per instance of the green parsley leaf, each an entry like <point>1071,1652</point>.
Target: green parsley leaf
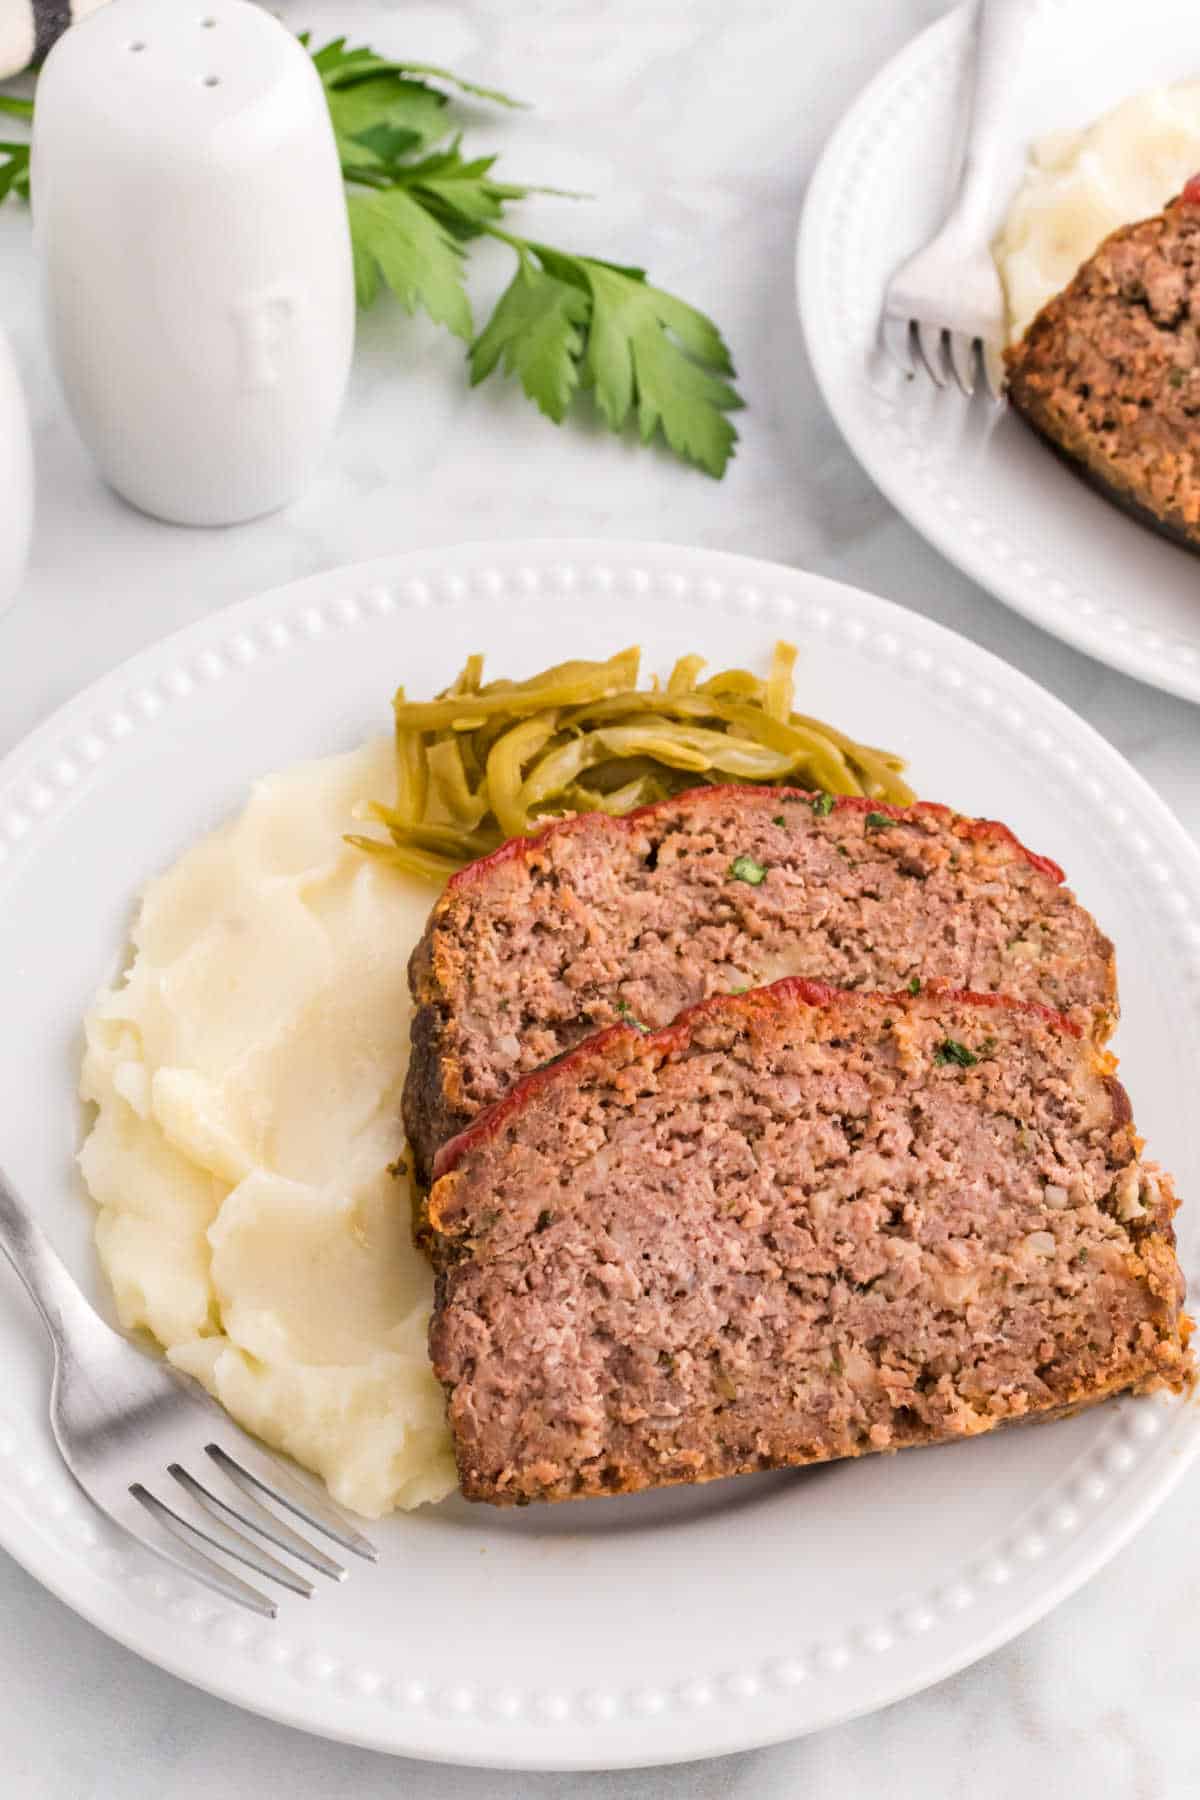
<point>822,805</point>
<point>628,353</point>
<point>779,819</point>
<point>744,868</point>
<point>14,170</point>
<point>536,332</point>
<point>393,236</point>
<point>382,111</point>
<point>652,355</point>
<point>876,821</point>
<point>461,194</point>
<point>629,1017</point>
<point>376,123</point>
<point>914,985</point>
<point>366,269</point>
<point>339,67</point>
<point>951,1051</point>
<point>14,154</point>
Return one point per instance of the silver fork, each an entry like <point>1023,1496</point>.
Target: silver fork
<point>947,300</point>
<point>131,1430</point>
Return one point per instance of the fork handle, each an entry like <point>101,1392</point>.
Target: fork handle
<point>1000,31</point>
<point>42,1271</point>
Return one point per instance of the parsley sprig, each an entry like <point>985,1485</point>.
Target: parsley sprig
<point>566,323</point>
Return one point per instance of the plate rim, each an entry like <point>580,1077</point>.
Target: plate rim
<point>433,1737</point>
<point>996,576</point>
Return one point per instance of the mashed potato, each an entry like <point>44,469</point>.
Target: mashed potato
<point>247,1076</point>
<point>1081,185</point>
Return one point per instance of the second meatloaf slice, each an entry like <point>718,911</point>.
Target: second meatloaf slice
<point>792,1226</point>
<point>1109,371</point>
<point>600,919</point>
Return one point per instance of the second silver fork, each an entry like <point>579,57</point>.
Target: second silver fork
<point>945,308</point>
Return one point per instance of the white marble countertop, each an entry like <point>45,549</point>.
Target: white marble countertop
<point>696,126</point>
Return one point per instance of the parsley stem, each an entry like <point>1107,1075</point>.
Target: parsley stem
<point>372,178</point>
<point>521,246</point>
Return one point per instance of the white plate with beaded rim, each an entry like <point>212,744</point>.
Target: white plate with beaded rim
<point>974,480</point>
<point>616,1632</point>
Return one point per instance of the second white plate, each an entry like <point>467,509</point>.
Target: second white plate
<point>664,1626</point>
<point>974,481</point>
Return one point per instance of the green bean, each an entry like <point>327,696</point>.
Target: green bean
<point>641,790</point>
<point>619,771</point>
<point>777,697</point>
<point>408,857</point>
<point>412,773</point>
<point>881,765</point>
<point>811,749</point>
<point>738,682</point>
<point>506,766</point>
<point>566,685</point>
<point>450,839</point>
<point>678,746</point>
<point>683,675</point>
<point>449,781</point>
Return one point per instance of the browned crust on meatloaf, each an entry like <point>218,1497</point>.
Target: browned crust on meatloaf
<point>1108,373</point>
<point>793,1226</point>
<point>554,937</point>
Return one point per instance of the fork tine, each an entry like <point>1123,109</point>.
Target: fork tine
<point>198,1565</point>
<point>260,1520</point>
<point>929,342</point>
<point>241,1548</point>
<point>962,360</point>
<point>285,1492</point>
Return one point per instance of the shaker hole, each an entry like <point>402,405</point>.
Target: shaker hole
<point>208,24</point>
<point>136,45</point>
<point>212,81</point>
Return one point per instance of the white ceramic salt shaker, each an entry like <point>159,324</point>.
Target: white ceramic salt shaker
<point>191,226</point>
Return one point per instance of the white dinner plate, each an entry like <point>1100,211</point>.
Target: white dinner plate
<point>973,479</point>
<point>610,1632</point>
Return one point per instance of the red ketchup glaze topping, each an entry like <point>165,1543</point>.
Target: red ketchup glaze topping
<point>1191,193</point>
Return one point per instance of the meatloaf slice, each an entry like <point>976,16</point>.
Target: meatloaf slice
<point>598,919</point>
<point>1109,371</point>
<point>795,1225</point>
